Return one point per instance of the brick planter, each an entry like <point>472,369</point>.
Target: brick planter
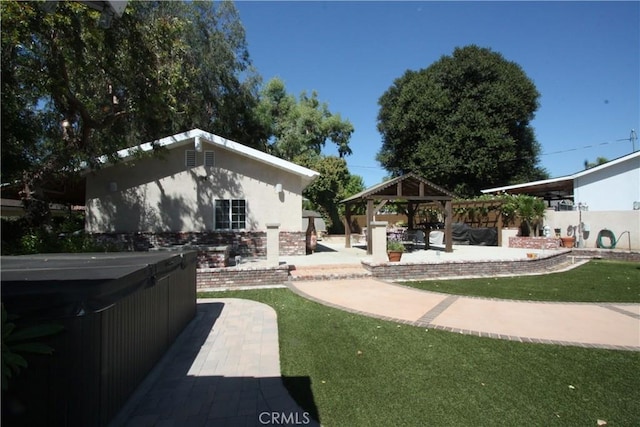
<point>534,242</point>
<point>236,277</point>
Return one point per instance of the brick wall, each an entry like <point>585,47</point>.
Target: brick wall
<point>251,244</point>
<point>292,243</point>
<point>417,271</point>
<point>614,255</point>
<point>234,277</point>
<point>212,256</point>
<point>534,242</point>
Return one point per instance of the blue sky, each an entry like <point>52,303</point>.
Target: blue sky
<point>584,58</point>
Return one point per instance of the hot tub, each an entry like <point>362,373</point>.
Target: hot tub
<point>120,313</point>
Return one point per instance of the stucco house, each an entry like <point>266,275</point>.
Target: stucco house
<point>201,189</point>
<point>605,197</point>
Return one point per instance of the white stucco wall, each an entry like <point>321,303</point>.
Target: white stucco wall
<point>161,194</point>
<point>619,222</point>
<point>614,188</point>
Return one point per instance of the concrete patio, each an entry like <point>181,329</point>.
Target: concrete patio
<point>331,250</point>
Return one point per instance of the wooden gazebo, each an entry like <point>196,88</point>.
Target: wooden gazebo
<point>410,189</point>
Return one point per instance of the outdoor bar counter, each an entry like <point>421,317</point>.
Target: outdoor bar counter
<point>120,312</point>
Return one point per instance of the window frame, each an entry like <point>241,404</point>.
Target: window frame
<point>230,214</point>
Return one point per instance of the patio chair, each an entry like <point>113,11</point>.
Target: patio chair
<point>414,238</point>
<point>436,238</point>
<point>418,239</point>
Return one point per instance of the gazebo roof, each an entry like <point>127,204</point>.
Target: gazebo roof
<point>406,187</point>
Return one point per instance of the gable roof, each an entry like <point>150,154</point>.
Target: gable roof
<point>409,186</point>
<point>198,136</point>
<point>559,187</point>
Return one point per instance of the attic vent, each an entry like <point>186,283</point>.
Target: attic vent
<point>209,158</point>
<point>189,158</point>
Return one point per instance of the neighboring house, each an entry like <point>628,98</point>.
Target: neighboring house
<point>201,189</point>
<point>611,186</point>
<point>606,196</point>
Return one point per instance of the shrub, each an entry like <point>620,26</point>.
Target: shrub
<point>395,246</point>
<point>65,234</point>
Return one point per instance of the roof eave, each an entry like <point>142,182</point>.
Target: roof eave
<point>127,154</point>
<point>527,184</point>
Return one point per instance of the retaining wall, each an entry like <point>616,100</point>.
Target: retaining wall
<point>241,276</point>
<point>425,270</point>
<point>614,255</point>
<point>236,277</point>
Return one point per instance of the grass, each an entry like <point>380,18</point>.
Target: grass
<point>596,281</point>
<point>365,371</point>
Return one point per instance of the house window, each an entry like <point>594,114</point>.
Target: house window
<point>209,158</point>
<point>189,158</point>
<point>230,214</point>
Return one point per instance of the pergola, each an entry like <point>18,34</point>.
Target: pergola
<point>410,189</point>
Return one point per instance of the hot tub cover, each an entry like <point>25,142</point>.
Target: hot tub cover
<point>53,285</point>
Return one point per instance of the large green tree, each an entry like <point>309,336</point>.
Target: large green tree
<point>463,123</point>
<point>73,90</point>
<point>300,127</point>
<point>334,184</point>
<point>297,130</point>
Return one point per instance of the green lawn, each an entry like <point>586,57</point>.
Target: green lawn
<point>596,281</point>
<point>365,371</point>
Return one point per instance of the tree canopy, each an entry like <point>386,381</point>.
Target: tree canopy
<point>463,123</point>
<point>72,90</point>
<point>297,130</point>
<point>334,184</point>
<point>300,127</point>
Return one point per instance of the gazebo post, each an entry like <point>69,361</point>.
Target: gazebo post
<point>412,208</point>
<point>347,225</point>
<point>369,221</point>
<point>499,226</point>
<point>448,218</point>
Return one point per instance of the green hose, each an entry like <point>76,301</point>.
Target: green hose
<point>608,234</point>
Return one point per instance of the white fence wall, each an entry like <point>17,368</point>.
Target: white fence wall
<point>618,222</point>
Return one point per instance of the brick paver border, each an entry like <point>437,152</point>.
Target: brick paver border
<point>620,310</point>
<point>427,318</point>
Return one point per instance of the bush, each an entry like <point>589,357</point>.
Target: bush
<point>395,246</point>
<point>65,234</point>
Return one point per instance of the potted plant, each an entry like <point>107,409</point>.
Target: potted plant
<point>395,250</point>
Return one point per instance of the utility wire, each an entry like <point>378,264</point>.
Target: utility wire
<point>586,146</point>
<point>568,150</point>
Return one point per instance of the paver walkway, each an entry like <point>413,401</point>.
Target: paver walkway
<point>223,370</point>
<point>601,325</point>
